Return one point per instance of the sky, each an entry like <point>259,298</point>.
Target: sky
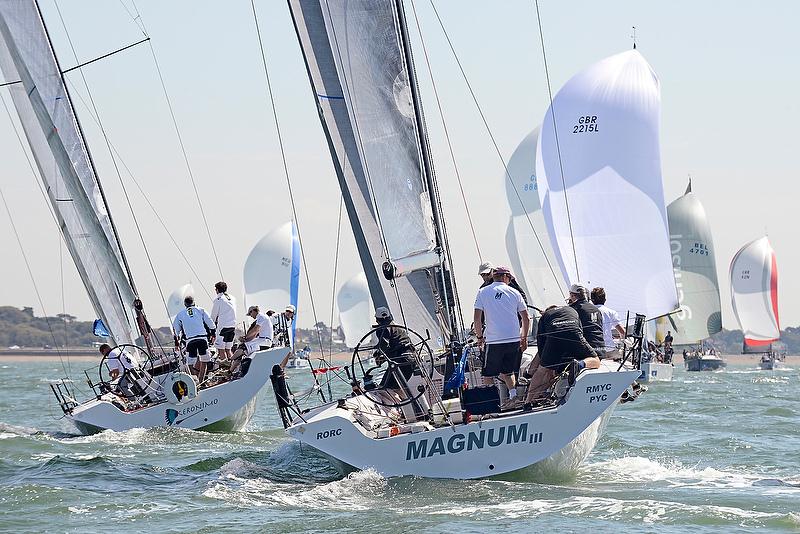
<point>729,81</point>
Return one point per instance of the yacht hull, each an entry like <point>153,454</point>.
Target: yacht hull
<point>705,364</point>
<point>225,407</point>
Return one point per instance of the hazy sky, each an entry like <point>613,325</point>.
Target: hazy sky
<point>729,74</point>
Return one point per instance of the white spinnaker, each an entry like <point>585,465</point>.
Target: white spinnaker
<point>695,268</point>
<point>754,293</point>
<point>272,270</point>
<point>599,182</point>
<point>355,309</point>
<point>175,300</point>
<point>536,269</point>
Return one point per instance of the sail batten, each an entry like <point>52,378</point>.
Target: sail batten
<point>53,133</point>
<point>354,54</point>
<point>598,171</point>
<point>754,294</point>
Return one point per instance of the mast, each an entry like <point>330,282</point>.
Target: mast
<point>452,309</point>
<point>117,240</point>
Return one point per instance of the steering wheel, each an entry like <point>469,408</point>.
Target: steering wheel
<point>369,347</point>
<point>142,361</point>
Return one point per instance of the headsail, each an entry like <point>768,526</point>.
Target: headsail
<point>48,119</point>
<point>356,55</point>
<point>754,294</point>
<point>272,270</point>
<point>355,309</point>
<point>600,184</point>
<point>536,269</point>
<point>695,269</point>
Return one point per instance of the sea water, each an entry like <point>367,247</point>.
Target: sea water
<point>708,452</point>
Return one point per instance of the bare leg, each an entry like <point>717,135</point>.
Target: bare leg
<point>201,371</point>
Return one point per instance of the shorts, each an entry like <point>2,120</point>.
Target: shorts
<point>225,338</point>
<point>198,348</point>
<point>501,358</point>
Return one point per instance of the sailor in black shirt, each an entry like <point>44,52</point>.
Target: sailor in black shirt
<point>591,318</point>
<point>395,346</point>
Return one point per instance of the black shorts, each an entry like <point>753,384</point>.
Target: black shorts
<point>197,347</point>
<point>227,334</point>
<point>501,358</point>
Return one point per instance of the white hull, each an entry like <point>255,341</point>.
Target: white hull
<point>770,365</point>
<point>656,372</point>
<point>558,438</point>
<point>297,363</point>
<point>225,407</point>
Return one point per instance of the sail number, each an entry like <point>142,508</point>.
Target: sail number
<point>586,123</point>
<point>699,248</point>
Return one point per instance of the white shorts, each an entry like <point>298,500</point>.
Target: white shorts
<point>221,344</point>
<point>225,338</point>
<point>256,344</point>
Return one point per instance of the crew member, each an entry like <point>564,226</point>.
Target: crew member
<point>611,322</point>
<point>504,311</point>
<point>394,345</point>
<point>194,323</point>
<point>260,334</point>
<point>223,313</point>
<point>559,341</point>
<point>119,362</point>
<point>591,318</point>
<point>282,323</point>
<point>485,271</point>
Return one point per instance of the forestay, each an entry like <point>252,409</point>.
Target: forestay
<point>598,170</point>
<point>355,309</point>
<point>754,294</point>
<point>355,55</point>
<point>48,119</point>
<point>695,270</point>
<point>535,265</point>
<point>272,270</point>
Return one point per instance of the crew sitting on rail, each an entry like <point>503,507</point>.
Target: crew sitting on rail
<point>559,341</point>
<point>395,346</point>
<point>196,326</point>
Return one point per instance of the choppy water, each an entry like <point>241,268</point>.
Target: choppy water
<point>705,453</point>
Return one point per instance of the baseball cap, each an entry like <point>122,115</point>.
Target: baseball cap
<point>502,270</point>
<point>485,268</point>
<point>577,289</point>
<point>383,313</point>
<point>290,308</point>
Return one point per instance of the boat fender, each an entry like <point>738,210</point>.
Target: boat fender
<point>180,388</point>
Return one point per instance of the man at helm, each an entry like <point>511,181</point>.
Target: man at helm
<point>393,345</point>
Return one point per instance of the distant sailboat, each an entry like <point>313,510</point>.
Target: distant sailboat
<point>356,313</point>
<point>754,295</point>
<point>600,187</point>
<point>695,267</point>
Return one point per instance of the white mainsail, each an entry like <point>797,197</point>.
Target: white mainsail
<point>357,62</point>
<point>695,268</point>
<point>272,270</point>
<point>65,166</point>
<point>598,169</point>
<point>754,294</point>
<point>355,309</point>
<point>534,265</point>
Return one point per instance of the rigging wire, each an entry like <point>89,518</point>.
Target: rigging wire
<point>144,195</point>
<point>555,133</point>
<point>335,272</point>
<point>140,23</point>
<point>114,161</point>
<point>446,132</point>
<point>494,143</point>
<point>288,181</point>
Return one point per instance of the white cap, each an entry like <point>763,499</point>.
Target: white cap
<point>578,289</point>
<point>383,313</point>
<point>290,308</point>
<point>485,268</point>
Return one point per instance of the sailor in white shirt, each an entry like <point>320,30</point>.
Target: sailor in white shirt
<point>223,313</point>
<point>195,325</point>
<point>611,322</point>
<point>260,334</point>
<point>283,327</point>
<point>125,368</point>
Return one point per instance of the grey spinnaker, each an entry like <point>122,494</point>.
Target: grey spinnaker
<point>362,86</point>
<point>695,267</point>
<point>48,119</point>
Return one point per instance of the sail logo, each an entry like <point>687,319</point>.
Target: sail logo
<point>460,442</point>
<point>676,246</point>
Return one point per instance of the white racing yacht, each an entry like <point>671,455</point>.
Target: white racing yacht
<point>155,389</point>
<point>364,84</point>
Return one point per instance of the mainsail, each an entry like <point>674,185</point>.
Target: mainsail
<point>695,270</point>
<point>272,270</point>
<point>535,265</point>
<point>355,309</point>
<point>65,166</point>
<point>754,294</point>
<point>598,169</point>
<point>358,60</point>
